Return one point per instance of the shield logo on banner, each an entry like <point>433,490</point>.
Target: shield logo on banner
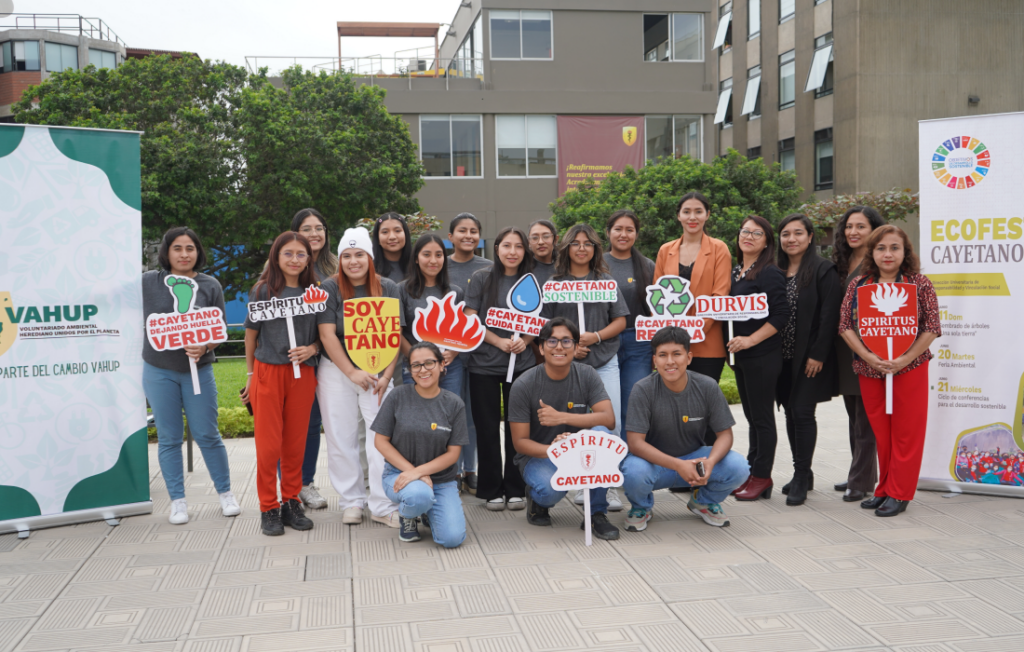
<point>629,135</point>
<point>588,459</point>
<point>8,329</point>
<point>887,318</point>
<point>373,332</point>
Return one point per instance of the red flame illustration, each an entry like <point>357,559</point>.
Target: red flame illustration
<point>314,295</point>
<point>446,324</point>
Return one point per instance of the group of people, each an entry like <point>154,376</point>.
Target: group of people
<point>435,423</point>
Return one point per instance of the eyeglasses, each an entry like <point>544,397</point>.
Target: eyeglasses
<point>312,229</point>
<point>577,245</point>
<point>757,235</point>
<point>566,342</point>
<point>428,365</point>
<point>545,237</point>
<point>299,256</point>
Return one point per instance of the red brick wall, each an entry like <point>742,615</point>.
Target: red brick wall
<point>13,84</point>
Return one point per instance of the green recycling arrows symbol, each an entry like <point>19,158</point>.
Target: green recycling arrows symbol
<point>671,295</point>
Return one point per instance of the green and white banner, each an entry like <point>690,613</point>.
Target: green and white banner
<point>73,443</point>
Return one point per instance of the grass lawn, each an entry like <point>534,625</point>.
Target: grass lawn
<point>230,375</point>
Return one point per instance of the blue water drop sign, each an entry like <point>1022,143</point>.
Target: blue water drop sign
<point>525,295</point>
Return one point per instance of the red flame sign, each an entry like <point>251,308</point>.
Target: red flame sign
<point>446,324</point>
<point>314,295</point>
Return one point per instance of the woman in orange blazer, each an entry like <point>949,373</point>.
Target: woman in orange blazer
<point>707,263</point>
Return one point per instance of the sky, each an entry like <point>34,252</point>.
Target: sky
<point>231,30</point>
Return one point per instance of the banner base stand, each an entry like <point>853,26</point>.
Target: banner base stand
<point>980,488</point>
<point>112,515</point>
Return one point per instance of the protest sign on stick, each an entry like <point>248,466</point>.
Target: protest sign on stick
<point>581,292</point>
<point>312,301</point>
<point>445,323</point>
<point>524,301</point>
<point>668,301</point>
<point>373,332</point>
<point>887,323</point>
<point>733,308</point>
<point>587,460</point>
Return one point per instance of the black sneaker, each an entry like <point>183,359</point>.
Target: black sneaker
<point>469,483</point>
<point>535,514</point>
<point>601,528</point>
<point>407,530</point>
<point>294,516</point>
<point>681,490</point>
<point>425,519</point>
<point>271,522</point>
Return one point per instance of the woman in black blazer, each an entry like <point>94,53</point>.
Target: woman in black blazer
<point>809,370</point>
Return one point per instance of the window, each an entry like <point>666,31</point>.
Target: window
<point>102,58</point>
<point>786,9</point>
<point>20,55</point>
<point>723,115</point>
<point>752,96</point>
<point>521,34</point>
<point>469,58</point>
<point>823,161</point>
<point>723,37</point>
<point>753,18</point>
<point>672,136</point>
<point>787,153</point>
<point>673,37</point>
<point>526,145</point>
<point>450,145</point>
<point>787,79</point>
<point>754,153</point>
<point>61,57</point>
<point>820,78</point>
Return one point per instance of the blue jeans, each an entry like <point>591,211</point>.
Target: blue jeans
<point>537,474</point>
<point>609,374</point>
<point>170,391</point>
<point>634,365</point>
<point>642,479</point>
<point>312,444</point>
<point>457,382</point>
<point>441,504</point>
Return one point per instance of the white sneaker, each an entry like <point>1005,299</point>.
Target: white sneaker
<point>391,520</point>
<point>352,516</point>
<point>614,502</point>
<point>228,504</point>
<point>579,497</point>
<point>312,498</point>
<point>179,512</point>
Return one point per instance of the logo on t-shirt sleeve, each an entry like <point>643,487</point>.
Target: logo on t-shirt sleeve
<point>688,419</point>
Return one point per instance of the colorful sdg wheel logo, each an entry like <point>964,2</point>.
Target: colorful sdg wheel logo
<point>961,162</point>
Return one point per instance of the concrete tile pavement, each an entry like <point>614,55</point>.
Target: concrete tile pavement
<point>946,576</point>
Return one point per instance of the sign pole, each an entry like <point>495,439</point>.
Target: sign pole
<point>732,358</point>
<point>195,375</point>
<point>291,344</point>
<point>511,361</point>
<point>888,382</point>
<point>586,515</point>
<point>582,318</point>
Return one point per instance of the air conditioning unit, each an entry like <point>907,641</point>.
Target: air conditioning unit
<point>418,65</point>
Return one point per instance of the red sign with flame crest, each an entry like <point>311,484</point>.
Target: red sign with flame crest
<point>887,318</point>
<point>446,324</point>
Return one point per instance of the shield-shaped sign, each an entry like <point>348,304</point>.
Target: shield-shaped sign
<point>887,318</point>
<point>629,135</point>
<point>588,458</point>
<point>373,332</point>
<point>8,329</point>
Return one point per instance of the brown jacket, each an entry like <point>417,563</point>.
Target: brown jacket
<point>712,276</point>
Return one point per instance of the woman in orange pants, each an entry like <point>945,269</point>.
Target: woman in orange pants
<point>900,436</point>
<point>280,401</point>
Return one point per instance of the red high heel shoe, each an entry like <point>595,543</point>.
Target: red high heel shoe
<point>756,488</point>
<point>742,486</point>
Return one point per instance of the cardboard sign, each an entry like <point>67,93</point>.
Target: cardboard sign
<point>446,324</point>
<point>517,322</point>
<point>581,292</point>
<point>526,301</point>
<point>586,460</point>
<point>312,301</point>
<point>373,332</point>
<point>187,325</point>
<point>668,300</point>
<point>739,308</point>
<point>887,323</point>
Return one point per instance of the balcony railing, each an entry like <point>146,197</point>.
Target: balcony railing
<point>93,28</point>
<point>376,67</point>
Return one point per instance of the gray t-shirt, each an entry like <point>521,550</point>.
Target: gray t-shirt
<point>597,316</point>
<point>543,271</point>
<point>577,393</point>
<point>396,274</point>
<point>486,359</point>
<point>422,429</point>
<point>156,298</point>
<point>630,288</point>
<point>410,304</point>
<point>461,273</point>
<point>272,344</point>
<point>335,306</point>
<point>675,423</point>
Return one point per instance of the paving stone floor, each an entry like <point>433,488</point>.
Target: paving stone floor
<point>948,575</point>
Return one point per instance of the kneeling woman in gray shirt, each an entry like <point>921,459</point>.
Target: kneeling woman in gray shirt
<point>420,430</point>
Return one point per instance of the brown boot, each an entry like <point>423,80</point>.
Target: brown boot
<point>742,486</point>
<point>756,488</point>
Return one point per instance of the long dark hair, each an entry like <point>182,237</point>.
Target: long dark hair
<point>173,234</point>
<point>693,194</point>
<point>272,279</point>
<point>564,266</point>
<point>643,279</point>
<point>415,281</point>
<point>550,226</point>
<point>805,273</point>
<point>326,260</point>
<point>841,251</point>
<point>494,275</point>
<point>767,256</point>
<point>911,263</point>
<point>380,261</point>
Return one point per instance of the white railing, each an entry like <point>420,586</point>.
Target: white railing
<point>374,67</point>
<point>94,28</point>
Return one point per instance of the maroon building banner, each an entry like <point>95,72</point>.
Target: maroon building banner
<point>589,147</point>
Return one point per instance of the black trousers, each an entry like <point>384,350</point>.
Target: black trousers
<point>801,425</point>
<point>494,478</point>
<point>756,378</point>
<point>712,368</point>
<point>864,465</point>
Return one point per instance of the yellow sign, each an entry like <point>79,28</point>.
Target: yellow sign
<point>969,285</point>
<point>8,329</point>
<point>373,332</point>
<point>629,135</point>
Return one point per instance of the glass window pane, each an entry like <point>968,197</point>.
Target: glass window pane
<point>788,160</point>
<point>510,138</point>
<point>8,59</point>
<point>466,146</point>
<point>753,17</point>
<point>536,34</point>
<point>816,76</point>
<point>723,28</point>
<point>724,100</point>
<point>542,130</point>
<point>53,58</point>
<point>786,8</point>
<point>435,146</point>
<point>658,130</point>
<point>751,94</point>
<point>787,80</point>
<point>687,140</point>
<point>823,164</point>
<point>686,37</point>
<point>542,149</point>
<point>505,35</point>
<point>511,161</point>
<point>31,55</point>
<point>655,37</point>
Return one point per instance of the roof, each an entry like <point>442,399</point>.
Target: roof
<point>388,29</point>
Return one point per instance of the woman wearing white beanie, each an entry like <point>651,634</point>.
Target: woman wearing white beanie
<point>346,392</point>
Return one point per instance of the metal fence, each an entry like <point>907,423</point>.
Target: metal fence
<point>376,67</point>
<point>93,28</point>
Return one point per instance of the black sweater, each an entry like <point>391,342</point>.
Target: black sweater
<point>772,282</point>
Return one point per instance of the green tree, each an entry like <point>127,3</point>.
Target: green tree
<point>233,156</point>
<point>735,186</point>
<point>893,205</point>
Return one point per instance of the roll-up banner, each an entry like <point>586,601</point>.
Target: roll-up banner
<point>972,249</point>
<point>73,443</point>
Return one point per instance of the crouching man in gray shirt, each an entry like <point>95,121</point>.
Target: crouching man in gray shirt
<point>668,414</point>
